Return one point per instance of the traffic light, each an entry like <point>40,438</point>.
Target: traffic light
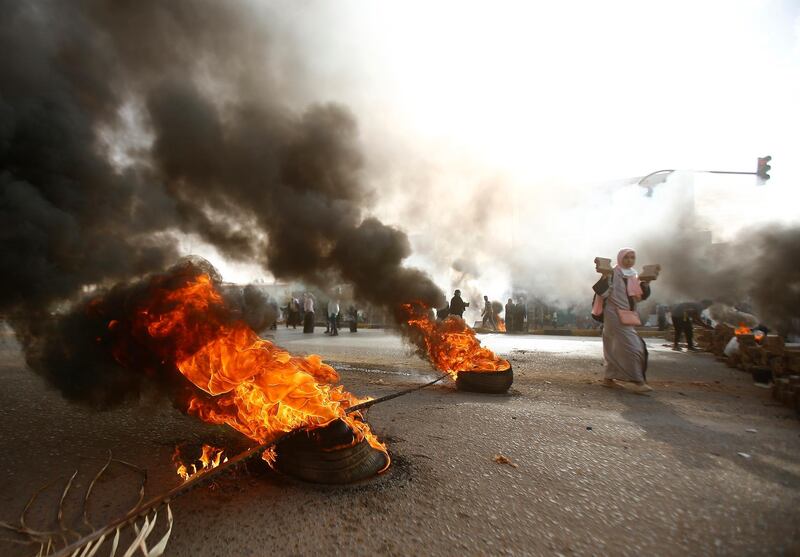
<point>763,167</point>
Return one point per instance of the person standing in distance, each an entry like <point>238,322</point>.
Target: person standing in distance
<point>457,304</point>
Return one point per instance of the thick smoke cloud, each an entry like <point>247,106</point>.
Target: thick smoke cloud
<point>197,98</point>
<point>96,354</point>
<point>100,354</point>
<point>68,217</point>
<point>228,159</point>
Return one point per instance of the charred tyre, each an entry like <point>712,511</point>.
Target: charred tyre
<point>329,455</point>
<point>496,382</point>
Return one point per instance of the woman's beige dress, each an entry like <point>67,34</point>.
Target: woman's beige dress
<point>624,350</point>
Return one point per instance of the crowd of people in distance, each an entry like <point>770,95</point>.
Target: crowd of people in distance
<point>515,316</point>
<point>617,294</point>
<point>303,312</point>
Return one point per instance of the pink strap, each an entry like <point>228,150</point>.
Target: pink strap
<point>634,288</point>
<point>597,305</point>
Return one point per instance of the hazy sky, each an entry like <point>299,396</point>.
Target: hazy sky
<point>589,89</point>
<point>531,97</point>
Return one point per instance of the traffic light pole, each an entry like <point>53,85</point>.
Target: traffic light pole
<point>726,172</point>
<point>667,171</point>
<point>762,172</point>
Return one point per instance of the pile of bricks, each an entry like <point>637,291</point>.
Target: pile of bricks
<point>786,378</point>
<point>769,359</point>
<point>715,341</point>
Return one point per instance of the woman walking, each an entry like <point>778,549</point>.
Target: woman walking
<point>616,296</point>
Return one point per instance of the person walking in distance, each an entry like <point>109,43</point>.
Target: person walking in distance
<point>488,314</point>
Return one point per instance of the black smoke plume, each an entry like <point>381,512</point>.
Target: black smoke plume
<point>69,218</point>
<point>97,354</point>
<point>756,271</point>
<point>124,121</point>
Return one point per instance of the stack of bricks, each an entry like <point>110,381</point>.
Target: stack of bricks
<point>703,338</point>
<point>770,358</point>
<point>720,339</point>
<point>750,352</point>
<point>786,377</point>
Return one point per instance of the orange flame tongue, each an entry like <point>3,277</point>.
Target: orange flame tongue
<point>450,344</point>
<point>743,329</point>
<point>254,386</point>
<point>211,457</point>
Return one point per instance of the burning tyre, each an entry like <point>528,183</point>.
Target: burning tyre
<point>495,382</point>
<point>329,455</point>
<point>453,346</point>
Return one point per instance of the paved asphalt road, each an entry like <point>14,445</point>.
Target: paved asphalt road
<point>598,471</point>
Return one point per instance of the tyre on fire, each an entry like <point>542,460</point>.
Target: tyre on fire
<point>329,456</point>
<point>495,382</point>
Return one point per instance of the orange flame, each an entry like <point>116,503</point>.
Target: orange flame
<point>743,329</point>
<point>255,387</point>
<point>270,455</point>
<point>501,325</point>
<point>450,345</point>
<point>211,457</point>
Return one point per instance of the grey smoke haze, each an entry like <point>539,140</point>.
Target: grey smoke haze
<point>759,268</point>
<point>541,240</point>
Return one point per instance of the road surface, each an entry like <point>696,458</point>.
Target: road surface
<point>705,465</point>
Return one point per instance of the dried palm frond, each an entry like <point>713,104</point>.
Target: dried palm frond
<point>88,544</point>
<point>48,541</point>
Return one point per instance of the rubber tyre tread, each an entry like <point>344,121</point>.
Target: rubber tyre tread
<point>485,382</point>
<point>340,466</point>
